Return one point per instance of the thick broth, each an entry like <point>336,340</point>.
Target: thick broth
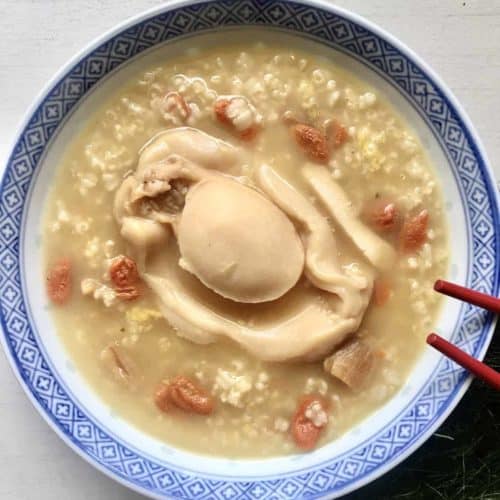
<point>255,400</point>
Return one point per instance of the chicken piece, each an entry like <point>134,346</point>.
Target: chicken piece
<point>321,266</point>
<point>143,233</point>
<point>192,144</point>
<point>216,246</point>
<point>161,177</point>
<point>351,363</point>
<point>158,191</point>
<point>374,248</point>
<point>231,238</point>
<point>155,180</point>
<point>306,333</point>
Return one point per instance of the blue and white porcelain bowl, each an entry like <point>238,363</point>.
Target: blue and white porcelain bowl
<point>379,442</point>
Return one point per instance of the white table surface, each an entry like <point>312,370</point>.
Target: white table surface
<point>459,39</point>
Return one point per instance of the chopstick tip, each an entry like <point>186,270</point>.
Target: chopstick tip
<point>431,338</point>
<point>439,285</point>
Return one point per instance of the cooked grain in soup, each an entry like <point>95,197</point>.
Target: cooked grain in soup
<point>240,249</point>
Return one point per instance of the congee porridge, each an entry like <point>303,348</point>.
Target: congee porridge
<point>240,247</point>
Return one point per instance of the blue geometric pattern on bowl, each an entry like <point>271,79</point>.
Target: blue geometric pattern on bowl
<point>338,32</point>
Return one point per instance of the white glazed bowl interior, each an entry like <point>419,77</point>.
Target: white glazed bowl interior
<point>49,340</point>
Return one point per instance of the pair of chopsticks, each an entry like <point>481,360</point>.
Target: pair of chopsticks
<point>480,370</point>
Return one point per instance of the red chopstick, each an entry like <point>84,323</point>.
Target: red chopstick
<point>480,370</point>
<point>467,295</point>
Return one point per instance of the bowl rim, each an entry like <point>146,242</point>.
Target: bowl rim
<point>171,5</point>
